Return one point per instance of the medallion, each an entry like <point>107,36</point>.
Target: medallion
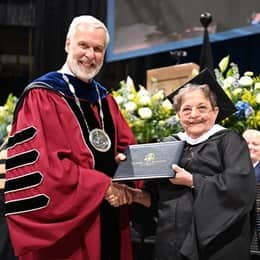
<point>99,140</point>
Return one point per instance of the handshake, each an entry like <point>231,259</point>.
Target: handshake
<point>120,194</point>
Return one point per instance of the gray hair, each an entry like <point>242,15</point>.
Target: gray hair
<point>188,88</point>
<point>252,132</point>
<point>90,21</point>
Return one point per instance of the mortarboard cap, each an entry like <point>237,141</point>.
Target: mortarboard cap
<point>226,106</point>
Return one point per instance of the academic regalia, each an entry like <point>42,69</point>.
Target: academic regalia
<point>61,177</point>
<point>212,219</point>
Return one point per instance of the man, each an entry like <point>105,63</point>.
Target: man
<point>252,137</point>
<point>66,139</point>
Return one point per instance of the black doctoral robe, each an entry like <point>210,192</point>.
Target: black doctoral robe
<point>211,221</point>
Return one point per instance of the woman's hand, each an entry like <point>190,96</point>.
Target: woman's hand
<point>182,177</point>
<point>140,196</point>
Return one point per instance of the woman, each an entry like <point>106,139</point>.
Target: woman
<point>204,212</point>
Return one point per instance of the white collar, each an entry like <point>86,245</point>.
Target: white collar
<point>183,136</point>
<point>256,163</point>
<point>65,69</point>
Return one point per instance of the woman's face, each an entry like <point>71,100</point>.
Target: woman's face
<point>196,113</point>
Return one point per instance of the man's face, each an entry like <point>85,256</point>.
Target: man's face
<point>253,141</point>
<point>86,50</point>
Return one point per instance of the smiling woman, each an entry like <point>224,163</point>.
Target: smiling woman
<point>214,173</point>
<point>197,109</point>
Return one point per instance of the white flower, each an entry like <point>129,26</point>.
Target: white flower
<point>258,98</point>
<point>144,100</point>
<point>130,106</point>
<point>228,82</point>
<point>249,73</point>
<point>245,81</point>
<point>237,91</point>
<point>8,128</point>
<point>129,83</point>
<point>257,85</point>
<point>145,112</point>
<point>142,92</point>
<point>166,104</point>
<point>119,99</point>
<point>159,95</point>
<point>161,122</point>
<point>131,96</point>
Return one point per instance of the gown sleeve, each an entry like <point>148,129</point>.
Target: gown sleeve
<point>226,195</point>
<point>52,185</point>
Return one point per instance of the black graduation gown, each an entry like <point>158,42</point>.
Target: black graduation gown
<point>211,221</point>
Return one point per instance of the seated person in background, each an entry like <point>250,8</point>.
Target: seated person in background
<point>252,137</point>
<point>204,212</point>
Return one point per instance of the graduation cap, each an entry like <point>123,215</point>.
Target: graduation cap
<point>206,57</point>
<point>226,106</point>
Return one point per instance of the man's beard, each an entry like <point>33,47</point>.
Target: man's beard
<point>81,74</point>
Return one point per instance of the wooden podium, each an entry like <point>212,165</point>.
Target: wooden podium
<point>171,77</point>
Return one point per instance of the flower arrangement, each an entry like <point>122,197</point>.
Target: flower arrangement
<point>6,117</point>
<point>150,115</point>
<point>244,91</point>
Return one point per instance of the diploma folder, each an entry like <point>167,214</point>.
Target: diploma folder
<point>149,161</point>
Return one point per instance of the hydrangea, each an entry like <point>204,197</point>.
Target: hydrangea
<point>244,91</point>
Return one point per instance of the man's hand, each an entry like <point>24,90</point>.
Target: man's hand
<point>118,195</point>
<point>120,157</point>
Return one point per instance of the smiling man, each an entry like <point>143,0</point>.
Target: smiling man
<point>67,136</point>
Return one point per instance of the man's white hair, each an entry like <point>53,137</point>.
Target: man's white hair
<point>90,21</point>
<point>252,132</point>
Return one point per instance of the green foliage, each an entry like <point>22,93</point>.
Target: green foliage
<point>6,116</point>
